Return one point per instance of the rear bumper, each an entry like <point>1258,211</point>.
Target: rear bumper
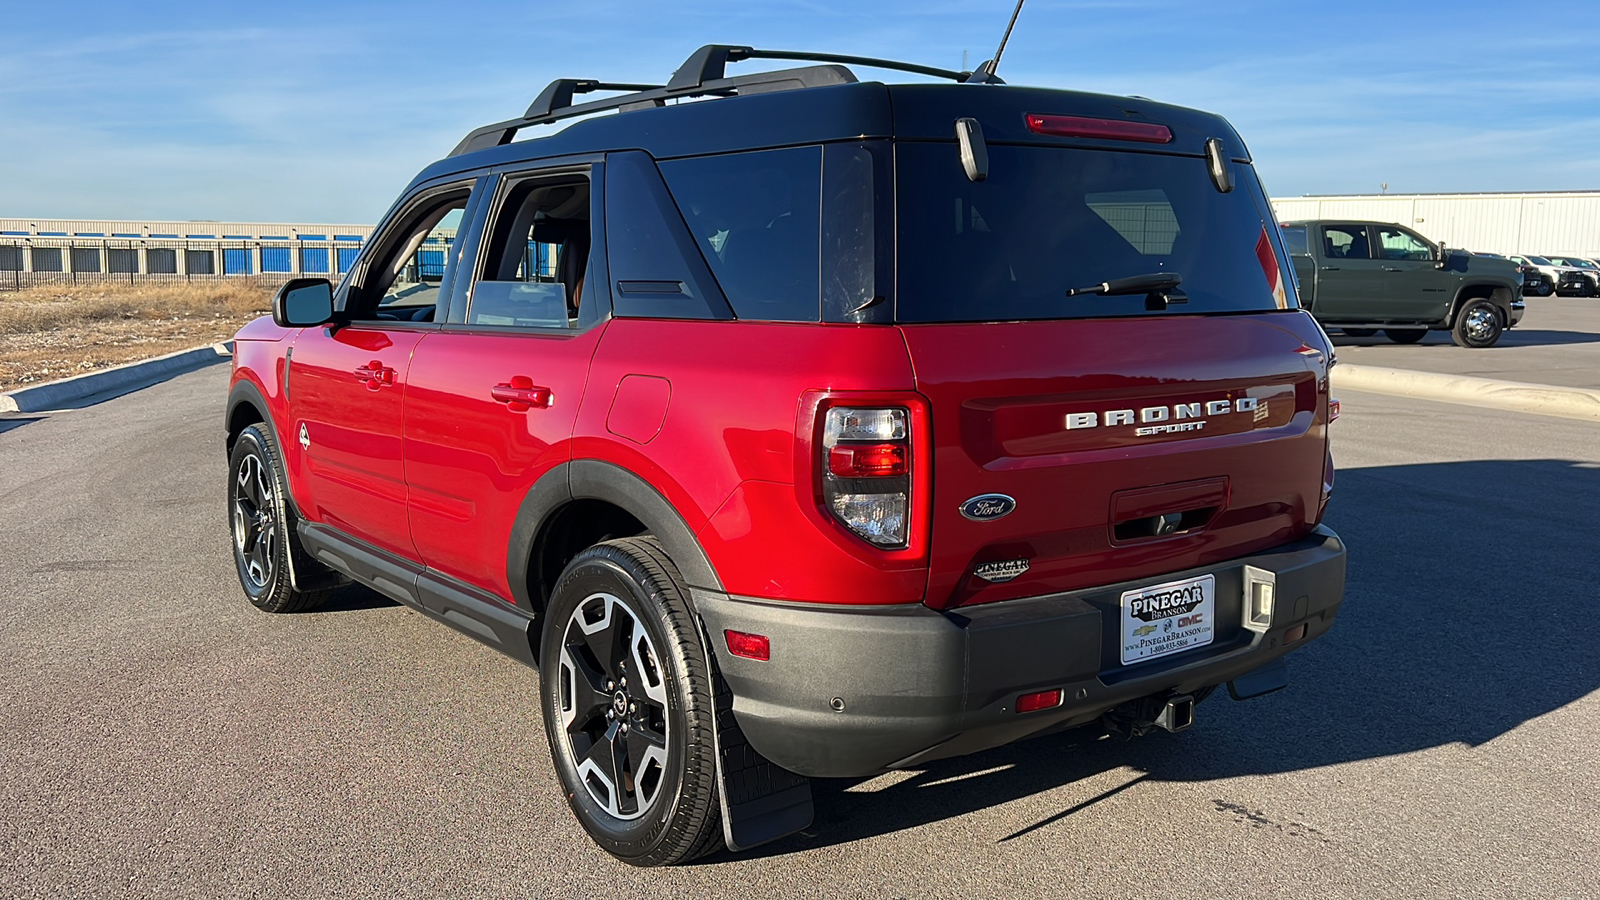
<point>854,691</point>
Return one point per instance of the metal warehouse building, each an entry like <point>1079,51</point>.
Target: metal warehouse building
<point>44,250</point>
<point>1528,224</point>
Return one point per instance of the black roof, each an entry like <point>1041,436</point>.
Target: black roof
<point>814,104</point>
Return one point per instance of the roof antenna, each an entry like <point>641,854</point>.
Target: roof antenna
<point>984,74</point>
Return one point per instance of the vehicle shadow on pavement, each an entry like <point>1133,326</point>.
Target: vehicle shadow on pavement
<point>354,597</point>
<point>1469,611</point>
<point>1516,337</point>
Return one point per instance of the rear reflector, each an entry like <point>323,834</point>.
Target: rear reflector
<point>1333,408</point>
<point>1111,129</point>
<point>868,460</point>
<point>1041,700</point>
<point>749,646</point>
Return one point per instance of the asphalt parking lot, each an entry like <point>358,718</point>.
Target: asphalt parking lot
<point>1557,342</point>
<point>160,738</point>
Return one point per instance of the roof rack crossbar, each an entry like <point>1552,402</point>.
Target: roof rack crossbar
<point>703,74</point>
<point>558,94</point>
<point>710,62</point>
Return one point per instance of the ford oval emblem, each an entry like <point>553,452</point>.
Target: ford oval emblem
<point>984,507</point>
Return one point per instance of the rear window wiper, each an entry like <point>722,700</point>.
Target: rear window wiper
<point>1154,283</point>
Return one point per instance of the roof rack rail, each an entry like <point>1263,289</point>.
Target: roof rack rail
<point>702,74</point>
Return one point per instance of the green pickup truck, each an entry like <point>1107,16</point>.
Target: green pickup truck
<point>1362,277</point>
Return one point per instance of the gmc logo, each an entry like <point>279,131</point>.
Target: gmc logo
<point>1195,619</point>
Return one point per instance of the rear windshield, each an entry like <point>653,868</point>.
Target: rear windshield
<point>1051,219</point>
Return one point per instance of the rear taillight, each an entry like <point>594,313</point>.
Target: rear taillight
<point>866,472</point>
<point>1111,129</point>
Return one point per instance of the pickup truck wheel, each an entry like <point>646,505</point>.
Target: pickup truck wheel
<point>1478,325</point>
<point>1359,332</point>
<point>628,708</point>
<point>258,518</point>
<point>1405,335</point>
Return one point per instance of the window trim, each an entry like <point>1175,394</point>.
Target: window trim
<point>507,179</point>
<point>383,238</point>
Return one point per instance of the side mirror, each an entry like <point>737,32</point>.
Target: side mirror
<point>303,302</point>
<point>1442,258</point>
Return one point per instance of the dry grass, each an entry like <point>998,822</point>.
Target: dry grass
<point>54,331</point>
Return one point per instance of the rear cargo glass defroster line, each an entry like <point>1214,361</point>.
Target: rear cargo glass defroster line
<point>1049,219</point>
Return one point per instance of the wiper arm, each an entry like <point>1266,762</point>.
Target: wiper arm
<point>1154,283</point>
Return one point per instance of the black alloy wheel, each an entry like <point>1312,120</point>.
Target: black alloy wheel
<point>1405,335</point>
<point>625,685</point>
<point>259,519</point>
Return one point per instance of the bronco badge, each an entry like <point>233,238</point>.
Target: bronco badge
<point>984,507</point>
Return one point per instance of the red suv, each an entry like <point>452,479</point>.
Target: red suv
<point>816,429</point>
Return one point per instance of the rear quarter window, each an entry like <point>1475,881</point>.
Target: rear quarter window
<point>756,217</point>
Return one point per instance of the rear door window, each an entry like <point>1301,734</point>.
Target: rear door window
<point>1048,220</point>
<point>1345,242</point>
<point>756,217</point>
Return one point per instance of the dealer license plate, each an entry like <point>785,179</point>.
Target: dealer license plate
<point>1168,618</point>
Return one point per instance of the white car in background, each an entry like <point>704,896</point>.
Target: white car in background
<point>1569,280</point>
<point>1591,272</point>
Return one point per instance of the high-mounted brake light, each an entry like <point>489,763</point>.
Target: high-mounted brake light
<point>1111,129</point>
<point>866,467</point>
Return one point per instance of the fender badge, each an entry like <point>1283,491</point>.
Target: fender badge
<point>305,437</point>
<point>1001,570</point>
<point>984,507</point>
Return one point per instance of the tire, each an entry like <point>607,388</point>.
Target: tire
<point>626,691</point>
<point>1359,332</point>
<point>259,519</point>
<point>1405,335</point>
<point>1478,325</point>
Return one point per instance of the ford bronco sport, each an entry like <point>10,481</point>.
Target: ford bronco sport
<point>814,429</point>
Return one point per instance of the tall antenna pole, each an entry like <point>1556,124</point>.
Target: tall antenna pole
<point>995,63</point>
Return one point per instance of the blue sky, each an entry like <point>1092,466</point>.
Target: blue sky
<point>322,111</point>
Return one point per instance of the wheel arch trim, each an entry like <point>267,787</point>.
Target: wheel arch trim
<point>593,479</point>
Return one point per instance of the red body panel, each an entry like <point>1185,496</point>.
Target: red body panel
<point>730,446</point>
<point>1001,427</point>
<point>351,475</point>
<point>722,419</point>
<point>470,459</point>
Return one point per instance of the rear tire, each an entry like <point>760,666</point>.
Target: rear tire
<point>1405,335</point>
<point>1359,332</point>
<point>626,690</point>
<point>260,520</point>
<point>1478,325</point>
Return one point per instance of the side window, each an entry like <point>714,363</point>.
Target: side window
<point>1345,242</point>
<point>536,266</point>
<point>757,219</point>
<point>403,281</point>
<point>1398,244</point>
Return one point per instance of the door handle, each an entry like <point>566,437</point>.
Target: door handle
<point>1391,268</point>
<point>375,374</point>
<point>520,394</point>
<point>1330,268</point>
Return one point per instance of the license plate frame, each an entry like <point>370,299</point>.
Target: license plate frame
<point>1150,618</point>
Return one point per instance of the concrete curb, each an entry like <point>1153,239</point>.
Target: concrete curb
<point>1539,399</point>
<point>113,382</point>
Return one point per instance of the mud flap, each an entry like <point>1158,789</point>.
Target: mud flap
<point>761,802</point>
